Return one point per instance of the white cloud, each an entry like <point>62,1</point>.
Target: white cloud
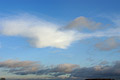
<point>113,32</point>
<point>38,32</point>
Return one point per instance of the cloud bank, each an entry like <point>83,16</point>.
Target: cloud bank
<point>15,66</point>
<point>31,67</point>
<point>71,70</point>
<point>108,71</point>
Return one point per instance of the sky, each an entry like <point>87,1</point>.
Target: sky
<point>59,39</point>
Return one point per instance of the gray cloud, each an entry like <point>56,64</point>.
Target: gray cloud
<point>83,23</point>
<point>108,44</point>
<point>111,71</point>
<point>58,70</point>
<point>113,42</point>
<point>65,68</point>
<point>15,66</point>
<point>31,67</point>
<point>103,63</point>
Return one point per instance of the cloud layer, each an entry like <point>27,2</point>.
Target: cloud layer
<point>108,71</point>
<point>15,66</point>
<point>31,67</point>
<point>70,70</point>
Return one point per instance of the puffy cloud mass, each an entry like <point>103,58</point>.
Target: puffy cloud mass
<point>38,32</point>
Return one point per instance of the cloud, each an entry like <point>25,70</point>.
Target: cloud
<point>65,68</point>
<point>108,71</point>
<point>39,33</point>
<point>31,67</point>
<point>15,66</point>
<point>83,23</point>
<point>112,42</point>
<point>108,44</point>
<point>61,69</point>
<point>103,70</point>
<point>103,63</point>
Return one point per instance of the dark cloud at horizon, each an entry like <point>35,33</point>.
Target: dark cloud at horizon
<point>73,70</point>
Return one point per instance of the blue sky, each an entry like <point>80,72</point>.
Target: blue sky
<point>68,33</point>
